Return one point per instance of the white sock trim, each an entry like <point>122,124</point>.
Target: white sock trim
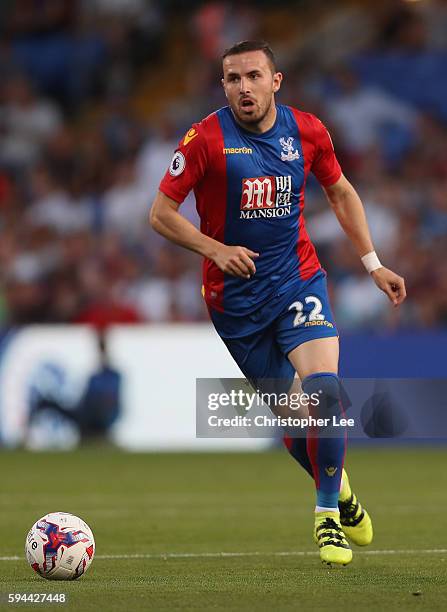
<point>324,509</point>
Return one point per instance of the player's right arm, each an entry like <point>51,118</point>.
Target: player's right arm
<point>167,221</point>
<point>188,167</point>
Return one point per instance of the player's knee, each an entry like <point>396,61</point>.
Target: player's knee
<point>324,392</point>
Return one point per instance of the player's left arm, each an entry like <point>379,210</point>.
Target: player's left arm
<point>350,213</point>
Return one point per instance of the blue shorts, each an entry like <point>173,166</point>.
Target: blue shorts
<point>261,341</point>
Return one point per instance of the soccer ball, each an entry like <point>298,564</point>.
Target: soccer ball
<point>60,546</point>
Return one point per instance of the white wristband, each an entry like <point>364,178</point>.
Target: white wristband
<point>371,262</point>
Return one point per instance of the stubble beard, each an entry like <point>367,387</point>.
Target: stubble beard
<point>245,120</point>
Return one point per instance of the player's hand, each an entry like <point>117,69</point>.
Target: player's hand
<point>391,283</point>
<point>236,260</point>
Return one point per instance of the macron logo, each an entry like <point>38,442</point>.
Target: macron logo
<point>236,150</point>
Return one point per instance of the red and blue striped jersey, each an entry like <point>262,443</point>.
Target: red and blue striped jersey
<point>249,191</point>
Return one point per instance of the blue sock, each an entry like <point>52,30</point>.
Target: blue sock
<point>297,447</point>
<point>326,446</point>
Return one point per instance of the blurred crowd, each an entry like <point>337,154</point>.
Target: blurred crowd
<point>75,244</point>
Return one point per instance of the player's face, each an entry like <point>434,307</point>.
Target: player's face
<point>250,85</point>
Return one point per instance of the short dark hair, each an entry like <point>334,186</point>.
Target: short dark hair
<point>252,45</point>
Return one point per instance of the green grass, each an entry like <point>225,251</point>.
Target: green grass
<point>211,503</point>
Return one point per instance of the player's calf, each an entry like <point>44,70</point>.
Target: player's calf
<point>326,443</point>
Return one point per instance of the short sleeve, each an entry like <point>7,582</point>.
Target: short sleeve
<point>325,165</point>
<point>187,166</point>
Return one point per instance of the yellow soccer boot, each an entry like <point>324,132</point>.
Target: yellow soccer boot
<point>354,519</point>
<point>328,534</point>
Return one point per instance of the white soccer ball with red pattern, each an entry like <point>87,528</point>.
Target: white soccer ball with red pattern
<point>60,546</point>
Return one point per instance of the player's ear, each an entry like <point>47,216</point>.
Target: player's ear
<point>277,80</point>
<point>223,85</point>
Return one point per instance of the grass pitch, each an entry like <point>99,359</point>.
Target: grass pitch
<point>161,522</point>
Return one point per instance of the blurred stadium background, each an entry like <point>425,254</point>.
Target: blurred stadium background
<point>103,328</point>
<point>94,95</point>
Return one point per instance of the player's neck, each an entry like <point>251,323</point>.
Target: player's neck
<point>264,125</point>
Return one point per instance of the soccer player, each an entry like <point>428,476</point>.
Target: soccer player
<point>262,281</point>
